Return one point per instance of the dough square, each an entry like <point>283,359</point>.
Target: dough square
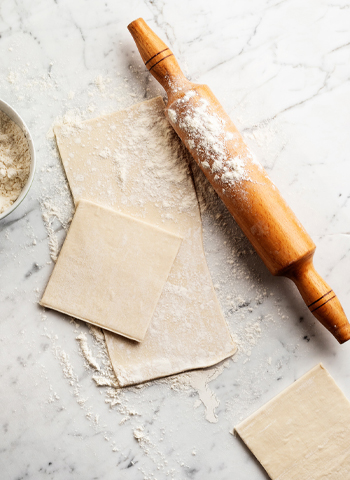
<point>111,270</point>
<point>304,432</point>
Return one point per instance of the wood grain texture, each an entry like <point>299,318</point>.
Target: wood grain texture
<point>254,202</point>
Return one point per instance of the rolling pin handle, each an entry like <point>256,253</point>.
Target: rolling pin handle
<point>157,56</point>
<point>320,299</point>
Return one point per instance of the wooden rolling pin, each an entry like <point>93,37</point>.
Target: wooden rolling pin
<point>241,182</point>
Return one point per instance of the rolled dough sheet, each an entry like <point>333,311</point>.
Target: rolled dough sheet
<point>304,432</point>
<point>133,162</point>
<point>111,270</point>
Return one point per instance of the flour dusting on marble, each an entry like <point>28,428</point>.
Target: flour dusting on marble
<point>247,334</point>
<point>198,380</point>
<point>95,356</point>
<point>55,214</point>
<point>86,352</point>
<point>239,305</point>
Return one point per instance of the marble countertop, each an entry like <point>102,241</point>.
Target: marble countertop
<point>281,71</point>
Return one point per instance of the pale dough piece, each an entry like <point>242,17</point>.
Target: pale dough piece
<point>111,270</point>
<point>134,162</point>
<point>304,432</point>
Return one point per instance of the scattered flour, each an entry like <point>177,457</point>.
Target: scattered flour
<point>50,213</point>
<point>57,209</point>
<point>247,334</point>
<point>238,287</point>
<point>85,350</point>
<point>71,122</point>
<point>102,82</point>
<point>139,432</point>
<point>102,381</point>
<point>14,161</point>
<point>198,381</point>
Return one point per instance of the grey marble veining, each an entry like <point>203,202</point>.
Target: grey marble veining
<point>281,70</point>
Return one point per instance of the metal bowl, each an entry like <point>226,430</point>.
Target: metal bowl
<point>10,112</point>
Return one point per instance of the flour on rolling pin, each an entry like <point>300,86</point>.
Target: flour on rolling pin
<point>255,203</point>
<point>206,131</point>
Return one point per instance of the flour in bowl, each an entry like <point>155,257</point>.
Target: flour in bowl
<point>14,161</point>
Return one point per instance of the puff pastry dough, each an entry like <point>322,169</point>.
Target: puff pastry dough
<point>304,432</point>
<point>111,270</point>
<point>133,162</point>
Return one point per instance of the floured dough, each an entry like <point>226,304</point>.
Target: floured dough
<point>304,432</point>
<point>111,270</point>
<point>133,162</point>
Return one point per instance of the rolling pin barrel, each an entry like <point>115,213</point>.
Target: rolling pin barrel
<point>250,196</point>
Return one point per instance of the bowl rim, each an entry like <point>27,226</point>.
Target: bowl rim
<point>14,115</point>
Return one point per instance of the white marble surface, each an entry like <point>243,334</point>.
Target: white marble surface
<point>281,70</point>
